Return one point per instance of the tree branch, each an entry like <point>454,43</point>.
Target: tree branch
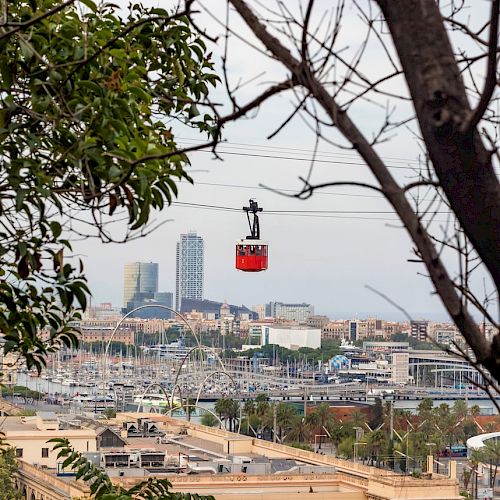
<point>392,191</point>
<point>34,20</point>
<point>491,75</point>
<point>275,89</point>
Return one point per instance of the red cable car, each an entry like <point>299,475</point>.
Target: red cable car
<point>251,253</point>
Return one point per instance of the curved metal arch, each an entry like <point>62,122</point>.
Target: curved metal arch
<point>202,348</point>
<point>231,378</point>
<point>146,306</point>
<point>154,384</point>
<point>171,397</point>
<point>209,376</point>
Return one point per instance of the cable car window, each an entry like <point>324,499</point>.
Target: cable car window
<point>264,250</point>
<point>241,250</point>
<point>252,250</point>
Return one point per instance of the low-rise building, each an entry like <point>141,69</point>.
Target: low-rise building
<point>317,321</point>
<point>336,330</point>
<point>95,334</point>
<point>374,346</point>
<point>29,436</point>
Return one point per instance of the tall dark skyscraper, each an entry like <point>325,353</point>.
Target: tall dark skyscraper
<point>189,271</point>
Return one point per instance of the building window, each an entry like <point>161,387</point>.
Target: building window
<point>19,453</point>
<point>45,452</point>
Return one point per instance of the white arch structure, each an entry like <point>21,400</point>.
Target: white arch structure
<point>146,306</point>
<point>477,442</point>
<point>154,384</point>
<point>201,348</point>
<point>231,378</point>
<point>204,348</point>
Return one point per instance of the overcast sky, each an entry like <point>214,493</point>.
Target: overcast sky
<point>323,259</point>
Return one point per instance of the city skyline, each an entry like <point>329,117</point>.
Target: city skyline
<point>323,250</point>
<point>168,284</point>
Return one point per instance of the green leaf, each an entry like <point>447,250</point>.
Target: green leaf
<point>90,4</point>
<point>56,229</point>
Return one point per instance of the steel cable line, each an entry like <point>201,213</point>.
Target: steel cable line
<point>251,147</point>
<point>331,214</point>
<point>279,149</point>
<point>292,158</point>
<point>240,186</point>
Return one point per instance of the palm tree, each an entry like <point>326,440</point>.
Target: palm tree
<point>324,420</point>
<point>357,418</point>
<point>491,452</point>
<point>475,458</point>
<point>460,409</point>
<point>376,443</point>
<point>285,418</point>
<point>262,404</point>
<point>228,411</point>
<point>425,408</point>
<point>248,407</point>
<point>189,407</point>
<point>233,414</point>
<point>221,407</point>
<point>300,431</point>
<point>337,433</point>
<point>475,410</point>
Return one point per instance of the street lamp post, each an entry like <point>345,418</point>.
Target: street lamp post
<point>316,436</point>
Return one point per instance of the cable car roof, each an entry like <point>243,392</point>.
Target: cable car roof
<point>252,242</point>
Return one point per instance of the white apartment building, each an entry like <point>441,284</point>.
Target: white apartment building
<point>291,338</point>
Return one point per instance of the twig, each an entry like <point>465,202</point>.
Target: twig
<point>385,297</point>
<point>34,20</point>
<point>491,78</point>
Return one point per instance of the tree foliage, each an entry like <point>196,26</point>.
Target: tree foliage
<point>8,467</point>
<point>209,420</point>
<point>87,104</point>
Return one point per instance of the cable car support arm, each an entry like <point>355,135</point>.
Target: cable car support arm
<point>254,226</point>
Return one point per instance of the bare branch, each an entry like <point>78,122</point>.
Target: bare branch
<point>385,297</point>
<point>392,191</point>
<point>491,75</point>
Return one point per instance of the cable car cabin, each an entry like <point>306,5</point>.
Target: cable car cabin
<point>251,255</point>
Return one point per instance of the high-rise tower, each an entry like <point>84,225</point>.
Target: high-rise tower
<point>140,282</point>
<point>189,268</point>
